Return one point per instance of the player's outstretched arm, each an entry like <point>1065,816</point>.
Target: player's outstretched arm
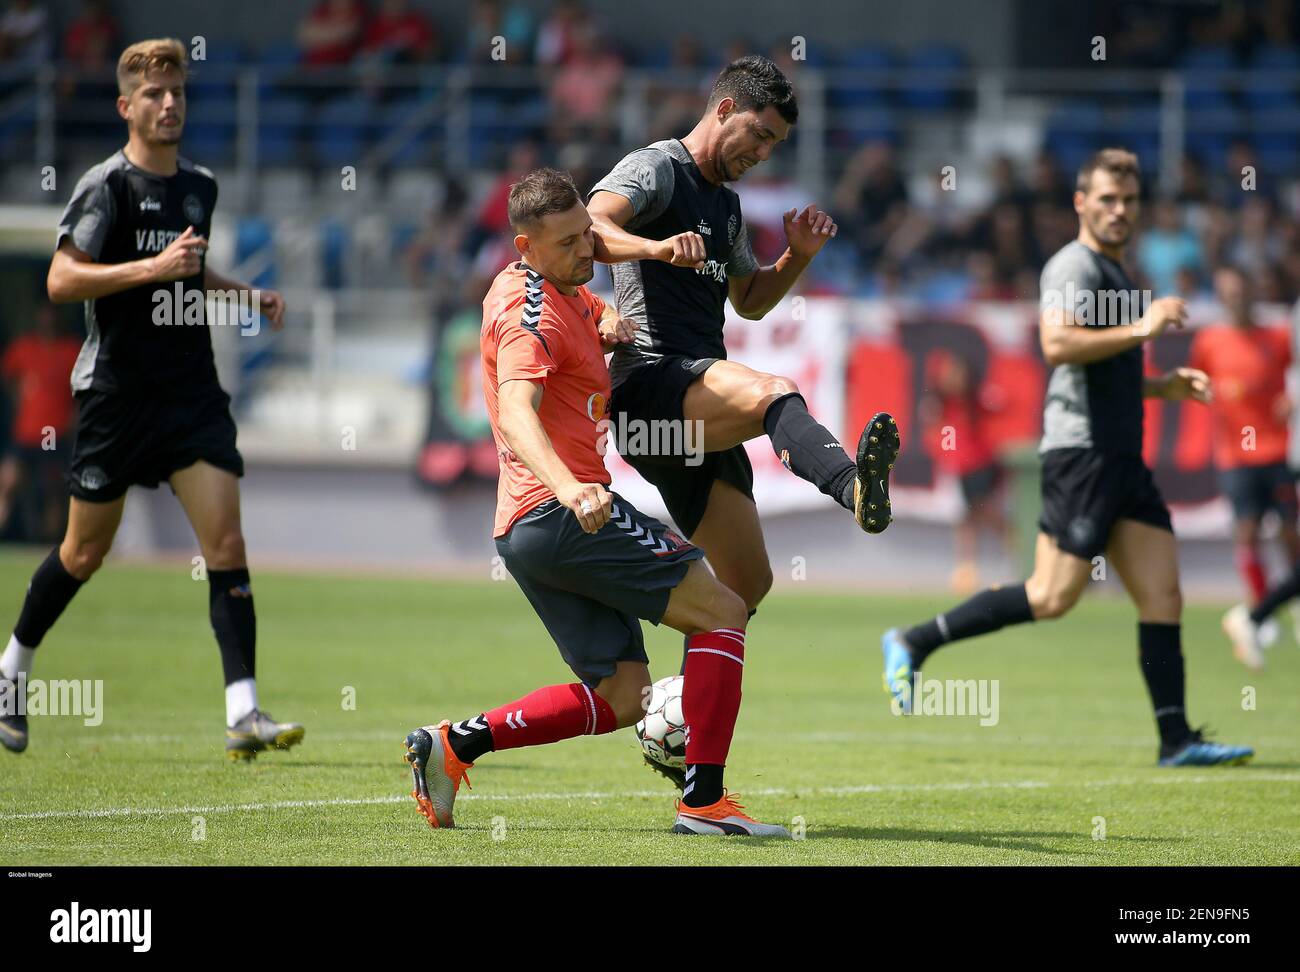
<point>610,212</point>
<point>1065,341</point>
<point>806,233</point>
<point>270,301</point>
<point>75,276</point>
<point>517,403</point>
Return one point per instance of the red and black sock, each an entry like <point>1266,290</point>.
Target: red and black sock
<point>545,716</point>
<point>715,662</point>
<point>1251,569</point>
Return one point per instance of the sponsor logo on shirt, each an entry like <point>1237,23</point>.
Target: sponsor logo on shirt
<point>150,205</point>
<point>704,229</point>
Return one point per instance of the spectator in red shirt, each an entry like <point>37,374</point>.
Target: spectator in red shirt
<point>331,34</point>
<point>400,35</point>
<point>37,367</point>
<point>90,41</point>
<point>584,88</point>
<point>957,412</point>
<point>1247,365</point>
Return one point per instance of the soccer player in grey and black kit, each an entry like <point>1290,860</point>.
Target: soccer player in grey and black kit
<point>1098,495</point>
<point>672,228</point>
<point>149,408</point>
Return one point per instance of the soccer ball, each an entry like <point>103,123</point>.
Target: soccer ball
<point>662,733</point>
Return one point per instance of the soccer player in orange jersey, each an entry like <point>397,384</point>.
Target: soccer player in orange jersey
<point>1247,366</point>
<point>590,563</point>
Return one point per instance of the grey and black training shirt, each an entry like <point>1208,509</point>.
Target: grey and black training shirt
<point>1097,405</point>
<point>680,309</point>
<point>119,213</point>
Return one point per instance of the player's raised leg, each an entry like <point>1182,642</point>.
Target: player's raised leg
<point>91,528</point>
<point>1055,586</point>
<point>1146,559</point>
<point>210,497</point>
<point>734,403</point>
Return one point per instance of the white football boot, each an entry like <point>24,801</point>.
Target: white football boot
<point>1244,635</point>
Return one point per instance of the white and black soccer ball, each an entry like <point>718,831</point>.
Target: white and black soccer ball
<point>662,733</point>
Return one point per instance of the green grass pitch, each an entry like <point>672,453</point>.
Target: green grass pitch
<point>1070,760</point>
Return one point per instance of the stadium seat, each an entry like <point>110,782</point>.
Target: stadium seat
<point>847,94</point>
<point>416,147</point>
<point>252,236</point>
<point>335,242</point>
<point>936,90</point>
<point>281,124</point>
<point>341,129</point>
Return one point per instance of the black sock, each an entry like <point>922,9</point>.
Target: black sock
<point>987,611</point>
<point>808,450</point>
<point>471,738</point>
<point>1160,652</point>
<point>1270,602</point>
<point>703,785</point>
<point>49,592</point>
<point>230,606</point>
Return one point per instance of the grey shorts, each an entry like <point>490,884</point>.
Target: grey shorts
<point>592,590</point>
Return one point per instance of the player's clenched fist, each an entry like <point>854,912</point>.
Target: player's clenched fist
<point>684,250</point>
<point>1164,313</point>
<point>590,503</point>
<point>181,259</point>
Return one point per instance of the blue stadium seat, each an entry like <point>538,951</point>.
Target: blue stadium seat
<point>946,64</point>
<point>252,235</point>
<point>341,129</point>
<point>1075,130</point>
<point>281,127</point>
<point>417,148</point>
<point>334,245</point>
<point>872,94</point>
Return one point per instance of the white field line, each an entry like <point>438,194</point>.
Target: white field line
<point>1172,778</point>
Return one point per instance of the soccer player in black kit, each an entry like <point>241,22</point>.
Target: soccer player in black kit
<point>1098,494</point>
<point>149,406</point>
<point>672,230</point>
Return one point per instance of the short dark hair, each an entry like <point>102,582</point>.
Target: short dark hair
<point>1117,161</point>
<point>753,82</point>
<point>539,194</point>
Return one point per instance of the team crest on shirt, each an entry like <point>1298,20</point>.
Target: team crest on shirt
<point>733,227</point>
<point>193,209</point>
<point>597,407</point>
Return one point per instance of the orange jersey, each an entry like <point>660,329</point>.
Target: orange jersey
<point>532,331</point>
<point>1247,370</point>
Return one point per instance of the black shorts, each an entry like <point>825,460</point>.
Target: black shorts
<point>590,589</point>
<point>654,391</point>
<point>1255,490</point>
<point>122,441</point>
<point>979,484</point>
<point>1085,491</point>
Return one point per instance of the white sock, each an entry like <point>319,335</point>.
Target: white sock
<point>16,660</point>
<point>241,699</point>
